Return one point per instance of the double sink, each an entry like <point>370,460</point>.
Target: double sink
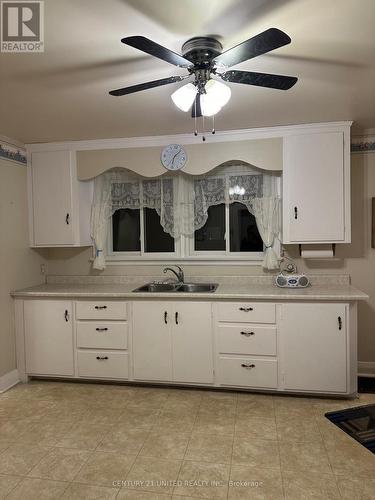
<point>178,287</point>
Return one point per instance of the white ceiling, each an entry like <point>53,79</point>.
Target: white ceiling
<point>62,94</point>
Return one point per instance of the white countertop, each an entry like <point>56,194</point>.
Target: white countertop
<point>251,291</point>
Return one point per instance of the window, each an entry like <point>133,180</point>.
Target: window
<point>214,223</point>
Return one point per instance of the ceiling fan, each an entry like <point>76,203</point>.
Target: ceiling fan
<point>203,57</point>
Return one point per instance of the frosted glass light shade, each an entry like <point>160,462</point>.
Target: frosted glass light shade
<point>216,96</point>
<point>184,96</point>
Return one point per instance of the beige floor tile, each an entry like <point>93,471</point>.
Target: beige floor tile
<point>106,469</point>
<point>19,459</point>
<point>60,464</point>
<point>310,486</point>
<point>255,483</point>
<point>214,424</point>
<point>138,418</point>
<point>38,489</point>
<point>293,406</point>
<point>209,448</point>
<point>292,428</point>
<point>255,452</point>
<point>104,415</point>
<point>83,436</point>
<point>4,445</point>
<point>203,480</point>
<point>356,488</point>
<point>165,444</point>
<point>181,407</point>
<point>152,474</point>
<point>89,492</point>
<point>13,429</point>
<point>125,494</point>
<point>124,440</point>
<point>170,421</point>
<point>45,433</point>
<point>350,458</point>
<point>256,407</point>
<point>301,456</point>
<point>257,427</point>
<point>7,484</point>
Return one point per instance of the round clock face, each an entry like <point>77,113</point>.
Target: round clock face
<point>173,157</point>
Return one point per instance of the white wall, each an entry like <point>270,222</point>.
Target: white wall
<point>20,265</point>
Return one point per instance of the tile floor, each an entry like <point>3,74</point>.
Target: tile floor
<point>84,441</point>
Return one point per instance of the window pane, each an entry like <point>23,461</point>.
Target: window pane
<point>126,230</point>
<point>156,240</point>
<point>244,235</point>
<point>211,235</point>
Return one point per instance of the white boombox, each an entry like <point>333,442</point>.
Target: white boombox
<point>292,280</point>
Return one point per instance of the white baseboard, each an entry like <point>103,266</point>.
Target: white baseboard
<point>9,380</point>
<point>366,368</point>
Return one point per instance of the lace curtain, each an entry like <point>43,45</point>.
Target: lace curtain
<point>182,202</point>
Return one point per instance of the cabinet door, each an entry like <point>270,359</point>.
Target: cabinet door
<point>152,350</point>
<point>48,337</point>
<point>52,198</point>
<point>313,188</point>
<point>314,347</point>
<point>192,342</point>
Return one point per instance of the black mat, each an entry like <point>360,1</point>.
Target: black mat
<point>358,422</point>
<point>366,384</point>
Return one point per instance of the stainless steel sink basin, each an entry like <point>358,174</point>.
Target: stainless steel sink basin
<point>158,287</point>
<point>198,287</point>
<point>178,287</point>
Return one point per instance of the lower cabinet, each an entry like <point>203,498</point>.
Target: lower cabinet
<point>172,341</point>
<point>48,337</point>
<point>314,344</point>
<point>103,364</point>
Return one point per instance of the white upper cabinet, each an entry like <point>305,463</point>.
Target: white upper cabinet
<point>316,187</point>
<point>59,203</point>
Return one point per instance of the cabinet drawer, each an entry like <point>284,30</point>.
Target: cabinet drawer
<point>101,309</point>
<point>245,339</point>
<point>102,335</point>
<point>103,364</point>
<point>256,372</point>
<point>247,312</point>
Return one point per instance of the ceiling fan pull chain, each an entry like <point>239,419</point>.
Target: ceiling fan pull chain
<point>213,125</point>
<point>195,118</point>
<point>204,130</point>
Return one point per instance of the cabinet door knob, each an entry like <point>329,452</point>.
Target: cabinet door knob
<point>66,315</point>
<point>100,307</point>
<point>248,366</point>
<point>176,318</point>
<point>295,212</point>
<point>67,218</point>
<point>246,309</point>
<point>101,329</point>
<point>101,358</point>
<point>165,317</point>
<point>339,320</point>
<point>247,334</point>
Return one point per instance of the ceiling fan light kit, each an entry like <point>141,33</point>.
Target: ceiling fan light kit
<point>203,58</point>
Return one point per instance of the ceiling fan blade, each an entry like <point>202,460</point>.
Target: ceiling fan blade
<point>280,82</point>
<point>154,49</point>
<point>196,111</point>
<point>147,85</point>
<point>270,39</point>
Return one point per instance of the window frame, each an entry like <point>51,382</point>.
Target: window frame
<point>184,247</point>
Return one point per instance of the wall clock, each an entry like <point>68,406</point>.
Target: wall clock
<point>173,157</point>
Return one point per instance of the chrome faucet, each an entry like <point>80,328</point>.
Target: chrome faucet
<point>179,274</point>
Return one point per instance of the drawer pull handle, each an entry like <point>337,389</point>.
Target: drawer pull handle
<point>176,318</point>
<point>247,334</point>
<point>67,219</point>
<point>246,365</point>
<point>340,322</point>
<point>100,307</point>
<point>66,315</point>
<point>101,329</point>
<point>100,358</point>
<point>246,309</point>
